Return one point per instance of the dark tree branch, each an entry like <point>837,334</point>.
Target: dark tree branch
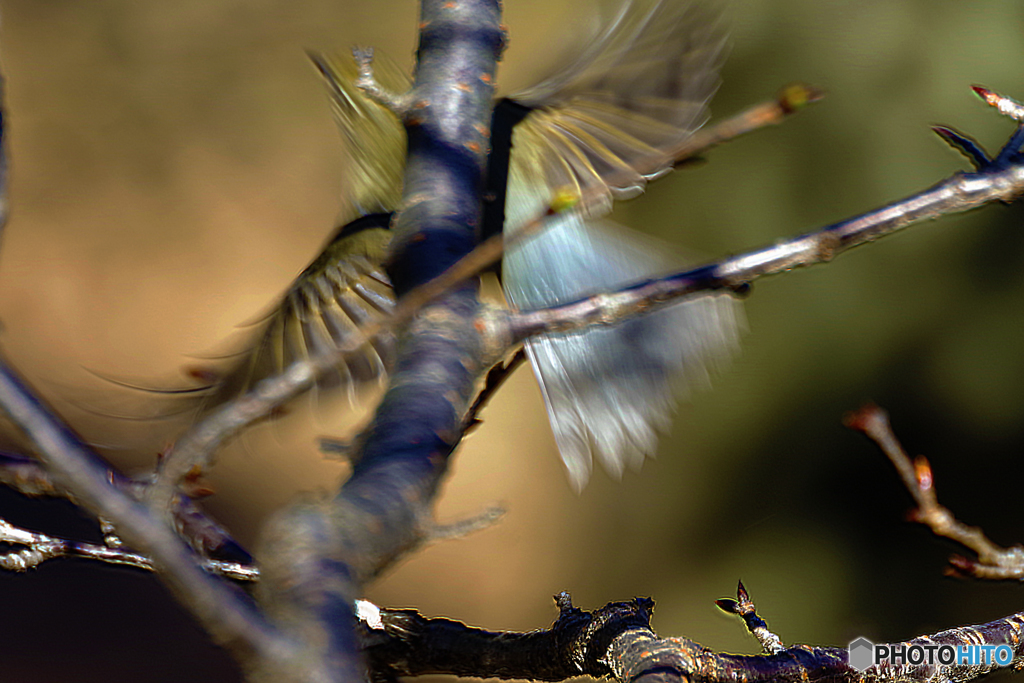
<point>318,555</point>
<point>227,613</point>
<point>617,641</point>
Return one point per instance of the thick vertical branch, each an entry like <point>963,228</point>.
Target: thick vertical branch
<point>447,124</point>
<point>317,555</point>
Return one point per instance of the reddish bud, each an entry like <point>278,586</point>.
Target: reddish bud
<point>923,473</point>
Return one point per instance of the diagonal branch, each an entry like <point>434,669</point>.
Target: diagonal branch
<point>226,613</point>
<point>962,192</point>
<point>993,562</point>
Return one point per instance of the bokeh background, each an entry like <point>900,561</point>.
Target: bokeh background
<point>174,165</point>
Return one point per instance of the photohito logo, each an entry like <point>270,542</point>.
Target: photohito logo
<point>863,654</point>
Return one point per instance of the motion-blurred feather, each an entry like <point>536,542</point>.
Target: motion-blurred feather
<point>603,125</point>
<point>346,287</point>
<point>607,126</point>
<point>608,391</point>
<point>374,137</point>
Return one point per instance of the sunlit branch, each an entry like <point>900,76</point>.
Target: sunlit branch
<point>962,192</point>
<point>38,548</point>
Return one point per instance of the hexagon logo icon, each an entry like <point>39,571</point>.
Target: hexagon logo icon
<point>861,654</point>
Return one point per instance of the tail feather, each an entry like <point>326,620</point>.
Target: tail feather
<point>609,391</point>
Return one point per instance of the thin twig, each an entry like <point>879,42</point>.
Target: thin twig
<point>743,607</point>
<point>993,561</point>
<point>39,548</point>
<point>396,103</point>
<point>790,100</point>
<point>464,527</point>
<point>961,192</point>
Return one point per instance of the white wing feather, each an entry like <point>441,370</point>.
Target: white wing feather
<point>605,125</point>
<point>609,391</point>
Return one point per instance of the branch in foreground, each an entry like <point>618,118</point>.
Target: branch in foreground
<point>319,554</point>
<point>26,476</point>
<point>227,613</point>
<point>993,562</point>
<point>617,641</point>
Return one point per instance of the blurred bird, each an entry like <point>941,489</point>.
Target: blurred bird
<point>602,126</point>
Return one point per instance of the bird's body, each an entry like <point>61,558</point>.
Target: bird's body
<point>603,126</point>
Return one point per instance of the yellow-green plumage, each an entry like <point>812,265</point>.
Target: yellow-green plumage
<point>374,138</point>
<point>343,290</point>
<point>604,126</point>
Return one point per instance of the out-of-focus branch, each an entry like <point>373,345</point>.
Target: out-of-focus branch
<point>227,613</point>
<point>28,477</point>
<point>617,640</point>
<point>993,562</point>
<point>790,100</point>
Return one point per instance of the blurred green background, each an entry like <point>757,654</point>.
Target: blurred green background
<point>174,165</point>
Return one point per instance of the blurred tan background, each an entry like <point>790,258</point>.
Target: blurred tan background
<point>174,165</point>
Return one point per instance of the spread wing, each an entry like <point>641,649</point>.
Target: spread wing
<point>607,123</point>
<point>604,126</point>
<point>340,293</point>
<point>346,287</point>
